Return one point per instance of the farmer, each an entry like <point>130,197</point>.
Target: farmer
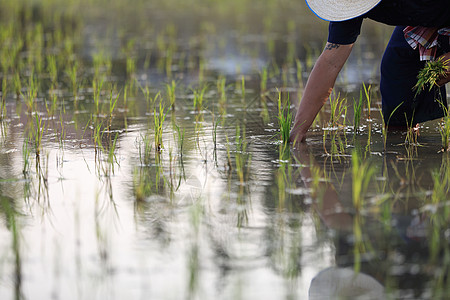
<point>422,33</point>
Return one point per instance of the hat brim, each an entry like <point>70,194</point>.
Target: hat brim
<point>340,10</point>
<point>333,283</point>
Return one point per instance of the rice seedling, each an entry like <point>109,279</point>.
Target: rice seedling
<point>17,84</point>
<point>97,85</point>
<point>362,174</point>
<point>112,158</point>
<point>113,98</point>
<point>102,64</point>
<point>169,62</point>
<point>52,70</point>
<point>357,107</point>
<point>412,133</point>
<point>368,99</point>
<point>299,73</point>
<point>444,128</point>
<point>430,74</point>
<point>199,98</point>
<point>159,118</point>
<point>170,88</point>
<point>31,93</point>
<point>50,105</point>
<point>221,90</point>
<point>263,83</point>
<point>338,109</point>
<point>284,119</point>
<point>72,73</point>
<point>201,71</point>
<point>285,75</point>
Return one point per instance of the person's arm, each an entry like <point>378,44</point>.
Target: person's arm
<point>318,87</point>
<point>327,204</point>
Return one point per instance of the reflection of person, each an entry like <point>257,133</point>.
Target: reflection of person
<point>407,238</point>
<point>422,33</point>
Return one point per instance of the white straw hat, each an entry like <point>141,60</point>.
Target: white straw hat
<point>340,10</point>
<point>344,283</point>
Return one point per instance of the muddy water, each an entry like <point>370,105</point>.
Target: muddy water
<point>222,210</point>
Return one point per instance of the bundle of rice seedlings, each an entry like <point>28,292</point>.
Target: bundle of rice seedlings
<point>431,73</point>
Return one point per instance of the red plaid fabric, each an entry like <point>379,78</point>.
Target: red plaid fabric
<point>425,38</point>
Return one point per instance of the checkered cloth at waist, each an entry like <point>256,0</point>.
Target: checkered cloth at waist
<point>425,38</point>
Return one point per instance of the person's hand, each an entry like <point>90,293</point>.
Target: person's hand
<point>445,79</point>
<point>298,134</point>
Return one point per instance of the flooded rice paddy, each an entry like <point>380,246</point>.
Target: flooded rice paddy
<point>142,157</point>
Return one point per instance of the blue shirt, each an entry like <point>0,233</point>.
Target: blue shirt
<point>428,13</point>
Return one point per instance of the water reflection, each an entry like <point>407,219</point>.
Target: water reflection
<point>391,248</point>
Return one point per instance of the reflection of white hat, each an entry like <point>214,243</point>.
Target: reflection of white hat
<point>340,283</point>
<point>340,10</point>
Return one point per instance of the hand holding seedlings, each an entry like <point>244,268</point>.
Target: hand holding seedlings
<point>445,78</point>
<point>435,73</point>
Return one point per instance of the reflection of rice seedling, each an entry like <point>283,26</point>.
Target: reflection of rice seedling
<point>3,98</point>
<point>26,157</point>
<point>229,164</point>
<point>431,73</point>
<point>145,151</point>
<point>38,132</point>
<point>444,129</point>
<point>385,127</point>
<point>362,173</point>
<point>180,134</point>
<point>214,137</point>
<point>284,119</point>
<point>242,158</point>
<point>439,216</point>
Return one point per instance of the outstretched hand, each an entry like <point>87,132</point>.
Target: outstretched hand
<point>446,78</point>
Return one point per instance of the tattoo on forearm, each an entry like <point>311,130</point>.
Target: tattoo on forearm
<point>331,46</point>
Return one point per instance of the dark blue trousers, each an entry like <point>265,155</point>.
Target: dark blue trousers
<point>399,68</point>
